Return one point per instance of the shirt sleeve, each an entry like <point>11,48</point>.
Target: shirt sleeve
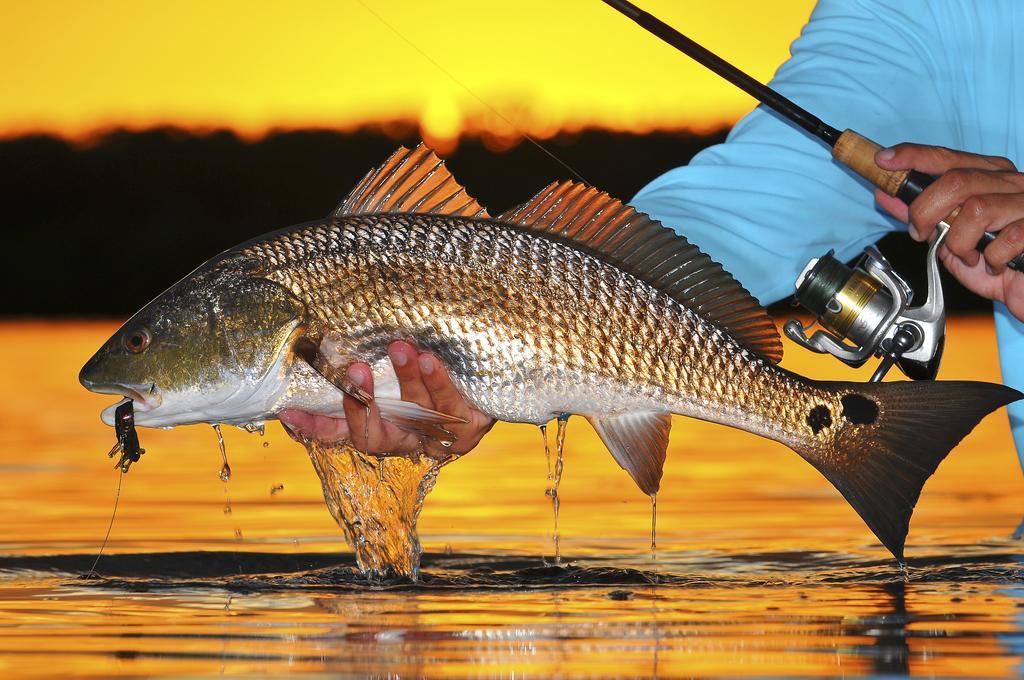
<point>770,198</point>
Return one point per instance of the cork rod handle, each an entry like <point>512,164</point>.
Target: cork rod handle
<point>857,152</point>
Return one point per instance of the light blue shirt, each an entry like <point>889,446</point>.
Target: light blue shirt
<point>942,72</point>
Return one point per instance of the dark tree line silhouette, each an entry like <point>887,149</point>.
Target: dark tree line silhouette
<point>101,228</point>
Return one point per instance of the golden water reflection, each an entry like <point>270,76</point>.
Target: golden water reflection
<point>782,578</point>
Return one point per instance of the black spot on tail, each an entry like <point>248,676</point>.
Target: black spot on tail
<point>859,410</point>
<point>819,418</point>
<point>881,469</point>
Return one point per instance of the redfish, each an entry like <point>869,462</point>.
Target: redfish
<point>572,303</point>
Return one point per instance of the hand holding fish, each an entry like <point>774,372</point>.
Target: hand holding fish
<point>989,191</point>
<point>423,380</point>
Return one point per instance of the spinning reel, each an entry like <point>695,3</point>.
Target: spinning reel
<point>865,311</point>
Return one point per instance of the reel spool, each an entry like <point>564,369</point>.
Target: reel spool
<point>865,311</point>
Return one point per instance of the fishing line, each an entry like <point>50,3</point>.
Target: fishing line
<point>473,94</point>
<point>117,498</point>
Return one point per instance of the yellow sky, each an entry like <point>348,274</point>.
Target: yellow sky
<point>74,66</point>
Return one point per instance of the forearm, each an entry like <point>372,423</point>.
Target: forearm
<point>771,197</point>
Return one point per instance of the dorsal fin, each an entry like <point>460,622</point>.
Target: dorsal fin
<point>649,251</point>
<point>411,180</point>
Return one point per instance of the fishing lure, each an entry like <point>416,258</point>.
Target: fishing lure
<point>127,438</point>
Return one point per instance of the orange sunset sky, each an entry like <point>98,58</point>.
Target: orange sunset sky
<point>75,67</point>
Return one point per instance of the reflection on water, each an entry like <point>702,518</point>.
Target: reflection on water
<point>761,568</point>
<point>195,612</point>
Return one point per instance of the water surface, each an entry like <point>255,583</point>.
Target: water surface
<point>761,567</point>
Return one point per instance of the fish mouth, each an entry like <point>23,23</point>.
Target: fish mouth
<point>145,397</point>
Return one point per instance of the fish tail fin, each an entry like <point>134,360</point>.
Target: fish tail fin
<point>891,437</point>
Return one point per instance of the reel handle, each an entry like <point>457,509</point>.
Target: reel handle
<point>857,152</point>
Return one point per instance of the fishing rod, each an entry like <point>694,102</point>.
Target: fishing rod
<point>848,147</point>
<point>870,303</point>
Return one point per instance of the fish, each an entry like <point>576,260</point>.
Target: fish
<point>572,303</point>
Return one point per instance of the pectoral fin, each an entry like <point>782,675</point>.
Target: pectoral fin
<point>336,375</point>
<point>407,415</point>
<point>418,419</point>
<point>638,442</point>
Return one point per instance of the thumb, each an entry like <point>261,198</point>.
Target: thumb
<point>934,160</point>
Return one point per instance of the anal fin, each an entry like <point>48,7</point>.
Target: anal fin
<point>638,442</point>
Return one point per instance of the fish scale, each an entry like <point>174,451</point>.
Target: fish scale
<point>572,303</point>
<point>662,351</point>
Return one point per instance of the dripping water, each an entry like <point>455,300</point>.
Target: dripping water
<point>547,449</point>
<point>654,525</point>
<point>556,480</point>
<point>376,505</point>
<point>225,470</point>
<point>366,428</point>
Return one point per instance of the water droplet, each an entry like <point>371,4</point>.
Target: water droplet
<point>225,470</point>
<point>255,428</point>
<point>266,445</point>
<point>276,489</point>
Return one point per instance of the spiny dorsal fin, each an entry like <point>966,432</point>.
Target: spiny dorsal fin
<point>410,181</point>
<point>635,243</point>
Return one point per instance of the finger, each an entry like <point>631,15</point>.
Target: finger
<point>300,424</point>
<point>404,358</point>
<point>448,399</point>
<point>895,207</point>
<point>951,190</point>
<point>936,160</point>
<point>468,435</point>
<point>368,432</point>
<point>978,214</point>
<point>1009,244</point>
<point>444,394</point>
<point>363,421</point>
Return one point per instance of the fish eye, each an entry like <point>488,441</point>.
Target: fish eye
<point>138,340</point>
